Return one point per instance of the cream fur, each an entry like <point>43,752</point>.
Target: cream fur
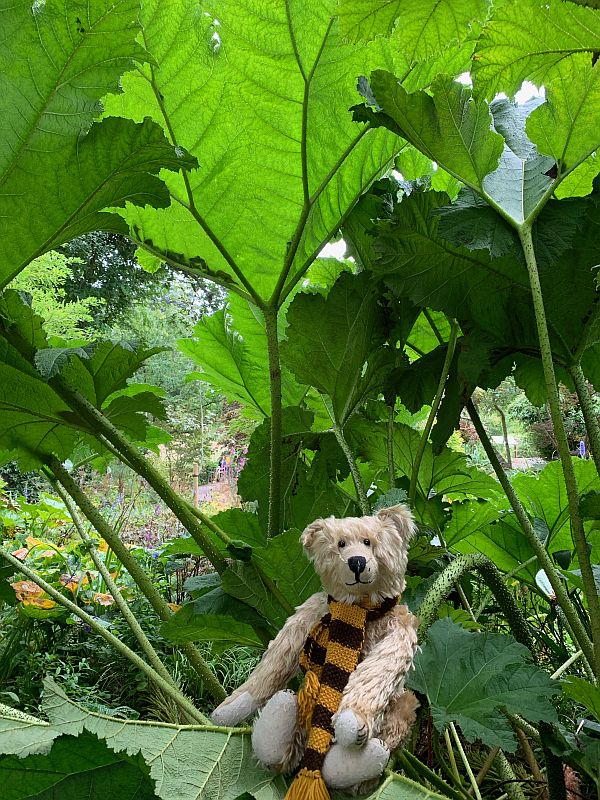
<point>374,704</point>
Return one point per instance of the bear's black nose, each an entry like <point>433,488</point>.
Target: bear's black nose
<point>357,564</point>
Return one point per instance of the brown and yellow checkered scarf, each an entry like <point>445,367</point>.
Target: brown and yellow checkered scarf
<point>331,654</point>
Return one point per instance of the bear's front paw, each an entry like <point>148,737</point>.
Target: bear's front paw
<point>234,709</point>
<point>351,729</point>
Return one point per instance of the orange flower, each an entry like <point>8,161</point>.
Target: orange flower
<point>21,554</point>
<point>70,583</point>
<point>103,547</point>
<point>31,542</point>
<point>26,589</point>
<point>39,602</point>
<point>174,606</point>
<point>104,599</point>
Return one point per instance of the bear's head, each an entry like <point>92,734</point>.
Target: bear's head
<point>361,556</point>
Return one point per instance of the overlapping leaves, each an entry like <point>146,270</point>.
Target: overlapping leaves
<point>262,100</point>
<point>59,171</point>
<point>36,421</point>
<point>470,678</point>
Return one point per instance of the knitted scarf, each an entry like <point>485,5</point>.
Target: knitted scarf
<point>331,654</point>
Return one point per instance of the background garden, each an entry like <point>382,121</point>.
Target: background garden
<point>272,261</point>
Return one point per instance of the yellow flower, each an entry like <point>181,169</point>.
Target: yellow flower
<point>39,602</point>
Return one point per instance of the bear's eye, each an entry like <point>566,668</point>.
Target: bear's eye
<point>367,542</point>
<point>341,543</point>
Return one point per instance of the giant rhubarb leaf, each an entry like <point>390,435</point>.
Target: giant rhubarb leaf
<point>261,96</point>
<point>58,171</point>
<point>470,678</point>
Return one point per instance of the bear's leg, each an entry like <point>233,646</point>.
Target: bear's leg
<point>348,767</point>
<point>277,740</point>
<point>398,720</point>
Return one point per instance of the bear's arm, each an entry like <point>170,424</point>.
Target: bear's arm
<point>381,674</point>
<point>279,663</point>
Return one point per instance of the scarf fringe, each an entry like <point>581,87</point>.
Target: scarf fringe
<point>308,785</point>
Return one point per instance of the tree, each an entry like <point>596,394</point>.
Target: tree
<point>103,265</point>
<point>45,281</point>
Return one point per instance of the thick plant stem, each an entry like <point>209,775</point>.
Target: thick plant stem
<point>274,525</point>
<point>414,478</point>
<point>101,425</point>
<point>390,447</point>
<point>589,415</point>
<point>363,502</point>
<point>115,643</point>
<point>579,632</point>
<point>138,575</point>
<point>530,756</point>
<point>451,757</point>
<point>486,766</point>
<point>577,530</point>
<point>112,587</point>
<point>513,790</point>
<point>429,775</point>
<point>460,566</point>
<point>465,760</point>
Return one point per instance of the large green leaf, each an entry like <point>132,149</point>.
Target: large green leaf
<point>36,422</point>
<point>79,766</point>
<point>470,678</point>
<point>190,625</point>
<point>491,296</point>
<point>503,543</point>
<point>449,126</point>
<point>522,178</point>
<point>57,169</point>
<point>261,97</point>
<point>187,762</point>
<point>528,40</point>
<point>467,518</point>
<point>419,264</point>
<point>560,127</point>
<point>21,734</point>
<point>447,473</point>
<point>583,692</point>
<point>425,27</point>
<point>330,339</point>
<point>230,347</point>
<point>544,496</point>
<point>284,561</point>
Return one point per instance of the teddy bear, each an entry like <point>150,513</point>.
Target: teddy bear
<point>355,643</point>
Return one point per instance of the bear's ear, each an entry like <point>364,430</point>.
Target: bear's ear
<point>310,534</point>
<point>402,519</point>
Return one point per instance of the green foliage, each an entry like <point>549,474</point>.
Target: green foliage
<point>230,347</point>
<point>59,170</point>
<point>585,693</point>
<point>75,767</point>
<point>337,364</point>
<point>470,678</point>
<point>330,339</point>
<point>265,146</point>
<point>103,266</point>
<point>44,279</point>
